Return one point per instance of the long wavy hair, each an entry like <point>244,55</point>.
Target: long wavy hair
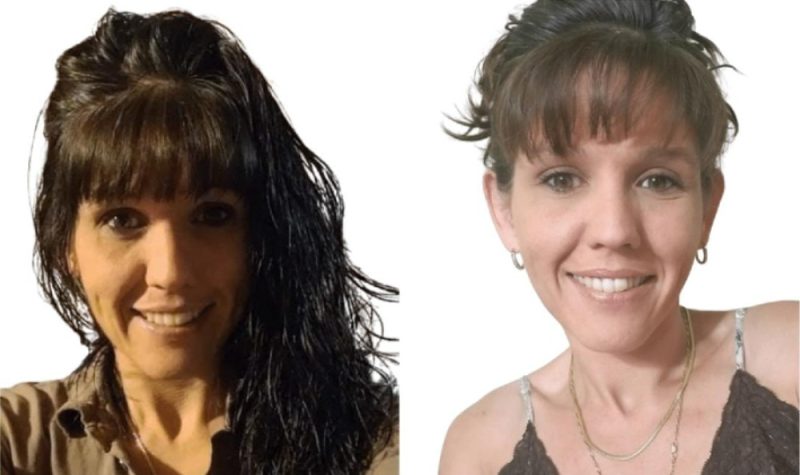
<point>599,62</point>
<point>148,101</point>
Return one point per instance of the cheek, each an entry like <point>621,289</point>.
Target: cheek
<point>547,236</point>
<point>545,233</point>
<point>109,287</point>
<point>230,264</point>
<point>674,232</point>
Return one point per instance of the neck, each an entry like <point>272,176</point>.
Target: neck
<point>626,381</point>
<point>173,409</point>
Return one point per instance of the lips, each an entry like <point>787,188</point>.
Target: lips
<point>610,285</point>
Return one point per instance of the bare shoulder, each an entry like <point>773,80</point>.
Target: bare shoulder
<point>482,438</point>
<point>772,348</point>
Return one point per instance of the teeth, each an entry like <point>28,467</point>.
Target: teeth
<point>609,286</point>
<point>170,319</point>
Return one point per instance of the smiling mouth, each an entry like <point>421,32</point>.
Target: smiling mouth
<point>172,319</point>
<point>608,285</point>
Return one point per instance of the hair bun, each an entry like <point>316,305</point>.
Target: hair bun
<point>548,18</point>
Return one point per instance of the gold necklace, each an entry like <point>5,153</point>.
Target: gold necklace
<point>677,402</point>
<point>673,448</point>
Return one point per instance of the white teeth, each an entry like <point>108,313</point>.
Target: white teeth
<point>609,286</point>
<point>170,319</point>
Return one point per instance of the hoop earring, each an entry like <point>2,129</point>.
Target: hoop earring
<point>516,259</point>
<point>701,256</point>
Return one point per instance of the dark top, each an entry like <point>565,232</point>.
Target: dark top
<point>758,435</point>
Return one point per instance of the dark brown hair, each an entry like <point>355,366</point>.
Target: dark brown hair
<point>599,62</point>
<point>150,103</point>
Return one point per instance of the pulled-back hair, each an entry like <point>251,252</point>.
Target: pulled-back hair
<point>595,62</point>
<point>150,103</point>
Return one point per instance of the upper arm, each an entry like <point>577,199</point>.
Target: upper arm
<point>6,463</point>
<point>14,425</point>
<point>26,411</point>
<point>461,450</point>
<point>482,438</point>
<point>772,347</point>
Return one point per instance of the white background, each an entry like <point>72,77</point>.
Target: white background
<point>366,85</point>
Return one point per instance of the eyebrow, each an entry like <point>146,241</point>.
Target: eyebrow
<point>220,193</point>
<point>653,153</point>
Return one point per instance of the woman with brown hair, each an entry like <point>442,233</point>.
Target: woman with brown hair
<point>605,124</point>
<point>194,243</point>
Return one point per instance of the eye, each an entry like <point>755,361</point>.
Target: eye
<point>660,183</point>
<point>123,221</point>
<point>214,214</point>
<point>561,182</point>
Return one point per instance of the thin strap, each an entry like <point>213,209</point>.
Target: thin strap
<point>525,392</point>
<point>739,339</point>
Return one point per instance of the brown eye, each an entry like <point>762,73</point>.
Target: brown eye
<point>561,182</point>
<point>123,220</point>
<point>214,214</point>
<point>660,183</point>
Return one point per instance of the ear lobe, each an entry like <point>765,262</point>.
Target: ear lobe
<point>711,205</point>
<point>500,209</point>
<point>72,265</point>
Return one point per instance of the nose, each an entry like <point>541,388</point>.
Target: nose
<point>613,221</point>
<point>168,257</point>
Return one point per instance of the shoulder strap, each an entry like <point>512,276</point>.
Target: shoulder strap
<point>525,394</point>
<point>739,337</point>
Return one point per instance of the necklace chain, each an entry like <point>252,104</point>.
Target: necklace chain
<point>677,402</point>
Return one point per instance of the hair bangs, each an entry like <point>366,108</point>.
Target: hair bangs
<point>599,81</point>
<point>159,138</point>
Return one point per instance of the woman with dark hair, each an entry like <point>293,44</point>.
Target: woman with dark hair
<point>194,243</point>
<point>605,124</point>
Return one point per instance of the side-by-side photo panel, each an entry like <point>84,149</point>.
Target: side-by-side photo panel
<point>538,237</point>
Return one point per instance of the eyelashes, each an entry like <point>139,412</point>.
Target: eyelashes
<point>660,182</point>
<point>122,221</point>
<point>561,181</point>
<point>214,214</point>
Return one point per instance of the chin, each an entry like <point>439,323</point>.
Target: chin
<point>616,347</point>
<point>612,340</point>
<point>173,365</point>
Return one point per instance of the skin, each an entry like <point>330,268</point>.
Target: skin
<point>185,255</point>
<point>622,205</point>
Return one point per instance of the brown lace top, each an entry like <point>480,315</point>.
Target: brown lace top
<point>758,433</point>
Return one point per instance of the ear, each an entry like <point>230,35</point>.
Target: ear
<point>72,263</point>
<point>499,202</point>
<point>711,204</point>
